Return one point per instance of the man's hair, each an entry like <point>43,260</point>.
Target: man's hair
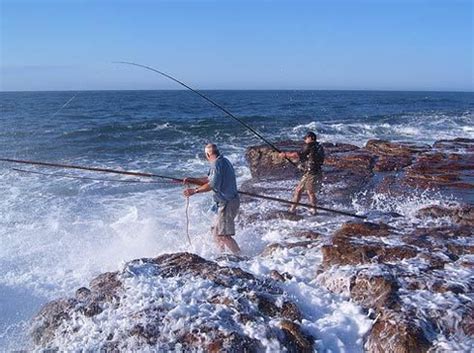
<point>311,134</point>
<point>211,149</point>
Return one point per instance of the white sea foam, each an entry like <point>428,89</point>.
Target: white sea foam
<point>414,128</point>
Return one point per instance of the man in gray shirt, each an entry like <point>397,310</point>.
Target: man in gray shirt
<point>221,180</point>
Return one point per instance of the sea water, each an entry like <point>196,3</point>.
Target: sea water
<point>57,233</point>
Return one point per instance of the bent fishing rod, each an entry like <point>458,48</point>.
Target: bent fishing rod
<point>211,102</point>
<point>177,180</point>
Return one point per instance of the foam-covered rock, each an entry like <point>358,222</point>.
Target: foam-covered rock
<point>173,302</point>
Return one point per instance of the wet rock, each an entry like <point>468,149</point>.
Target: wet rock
<point>392,163</point>
<point>270,249</point>
<point>463,215</point>
<point>363,229</point>
<point>282,277</point>
<point>106,285</point>
<point>374,291</point>
<point>291,311</point>
<point>296,340</point>
<point>83,294</point>
<point>308,234</point>
<point>348,251</point>
<point>397,332</point>
<point>331,148</point>
<point>265,162</point>
<point>49,319</point>
<point>384,147</point>
<point>458,144</point>
<point>235,296</point>
<point>442,170</point>
<point>393,156</point>
<point>358,161</point>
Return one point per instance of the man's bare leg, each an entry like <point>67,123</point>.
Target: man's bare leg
<point>230,243</point>
<point>296,199</point>
<point>312,201</point>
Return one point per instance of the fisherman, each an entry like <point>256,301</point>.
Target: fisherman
<point>221,180</point>
<point>311,157</point>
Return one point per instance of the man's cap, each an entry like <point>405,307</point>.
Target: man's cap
<point>310,134</point>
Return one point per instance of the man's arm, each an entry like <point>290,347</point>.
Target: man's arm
<point>293,155</point>
<point>196,181</point>
<point>192,191</point>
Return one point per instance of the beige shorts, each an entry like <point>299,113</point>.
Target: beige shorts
<point>224,222</point>
<point>310,182</point>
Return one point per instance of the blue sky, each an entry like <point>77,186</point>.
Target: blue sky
<point>357,44</point>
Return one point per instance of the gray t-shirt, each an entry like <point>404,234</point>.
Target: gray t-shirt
<point>222,180</point>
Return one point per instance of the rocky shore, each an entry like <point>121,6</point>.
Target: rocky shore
<point>409,269</point>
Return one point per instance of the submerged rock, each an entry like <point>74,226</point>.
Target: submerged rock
<point>173,302</point>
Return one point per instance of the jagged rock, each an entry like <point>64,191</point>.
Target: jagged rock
<point>270,249</point>
<point>363,229</point>
<point>374,291</point>
<point>393,156</point>
<point>106,285</point>
<point>458,144</point>
<point>50,318</point>
<point>265,162</point>
<point>441,170</point>
<point>396,332</point>
<point>236,296</point>
<point>463,215</point>
<point>358,161</point>
<point>347,250</point>
<point>282,277</point>
<point>384,147</point>
<point>297,341</point>
<point>308,234</point>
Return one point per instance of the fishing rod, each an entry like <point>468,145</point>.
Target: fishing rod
<point>177,180</point>
<point>211,102</point>
<point>86,178</point>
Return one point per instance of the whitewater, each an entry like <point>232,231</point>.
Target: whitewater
<point>58,233</point>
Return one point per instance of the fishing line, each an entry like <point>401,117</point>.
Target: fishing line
<point>211,102</point>
<point>69,101</point>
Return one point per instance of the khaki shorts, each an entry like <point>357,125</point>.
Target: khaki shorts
<point>310,182</point>
<point>224,222</point>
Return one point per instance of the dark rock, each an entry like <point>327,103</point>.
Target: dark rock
<point>270,249</point>
<point>345,251</point>
<point>291,311</point>
<point>441,170</point>
<point>83,294</point>
<point>308,234</point>
<point>463,215</point>
<point>106,284</point>
<point>282,277</point>
<point>396,332</point>
<point>265,162</point>
<point>383,147</point>
<point>49,318</point>
<point>458,144</point>
<point>363,229</point>
<point>358,161</point>
<point>393,156</point>
<point>392,163</point>
<point>296,341</point>
<point>374,291</point>
<point>234,291</point>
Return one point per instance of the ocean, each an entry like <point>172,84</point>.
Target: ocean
<point>57,233</point>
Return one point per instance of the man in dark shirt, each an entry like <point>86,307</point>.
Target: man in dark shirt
<point>311,157</point>
<point>222,182</point>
